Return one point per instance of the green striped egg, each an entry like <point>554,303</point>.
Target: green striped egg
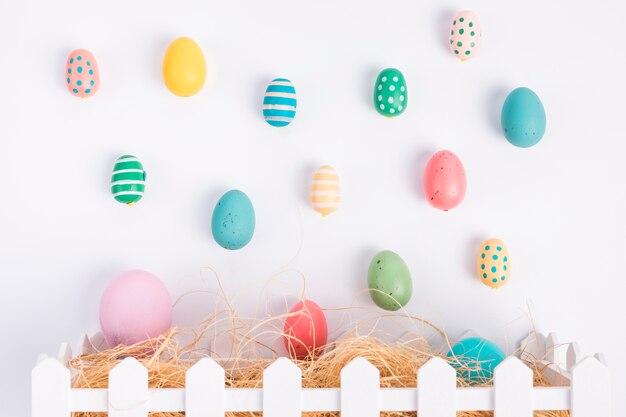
<point>128,181</point>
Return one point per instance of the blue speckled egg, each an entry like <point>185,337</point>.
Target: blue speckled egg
<point>523,118</point>
<point>475,359</point>
<point>233,220</point>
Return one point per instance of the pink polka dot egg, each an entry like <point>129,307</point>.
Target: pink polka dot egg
<point>465,35</point>
<point>81,74</point>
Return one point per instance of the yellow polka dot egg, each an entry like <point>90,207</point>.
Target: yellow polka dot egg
<point>494,265</point>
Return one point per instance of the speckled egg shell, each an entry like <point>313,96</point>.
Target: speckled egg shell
<point>233,220</point>
<point>465,35</point>
<point>494,265</point>
<point>475,359</point>
<point>523,118</point>
<point>390,93</point>
<point>389,281</point>
<point>82,75</point>
<point>445,182</point>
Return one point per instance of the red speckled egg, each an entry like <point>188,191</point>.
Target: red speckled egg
<point>306,331</point>
<point>82,76</point>
<point>445,182</point>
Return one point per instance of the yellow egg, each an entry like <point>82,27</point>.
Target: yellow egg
<point>184,67</point>
<point>325,190</point>
<point>494,265</point>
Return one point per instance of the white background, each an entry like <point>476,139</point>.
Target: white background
<point>559,206</point>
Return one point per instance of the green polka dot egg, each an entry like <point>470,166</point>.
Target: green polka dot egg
<point>128,181</point>
<point>390,93</point>
<point>494,265</point>
<point>465,35</point>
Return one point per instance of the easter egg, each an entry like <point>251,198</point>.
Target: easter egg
<point>445,182</point>
<point>494,265</point>
<point>135,306</point>
<point>233,220</point>
<point>523,118</point>
<point>389,281</point>
<point>325,190</point>
<point>306,331</point>
<point>128,181</point>
<point>82,75</point>
<point>184,67</point>
<point>390,93</point>
<point>475,359</point>
<point>279,102</point>
<point>465,35</point>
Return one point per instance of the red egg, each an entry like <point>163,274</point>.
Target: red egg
<point>445,182</point>
<point>306,331</point>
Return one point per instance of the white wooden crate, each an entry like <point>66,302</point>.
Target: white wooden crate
<point>582,386</point>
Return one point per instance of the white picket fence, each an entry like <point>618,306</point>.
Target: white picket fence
<point>583,387</point>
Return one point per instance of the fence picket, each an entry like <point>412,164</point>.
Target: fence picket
<point>50,389</point>
<point>204,389</point>
<point>282,389</point>
<point>591,389</point>
<point>573,356</point>
<point>436,389</point>
<point>552,346</point>
<point>360,389</point>
<point>513,385</point>
<point>128,389</point>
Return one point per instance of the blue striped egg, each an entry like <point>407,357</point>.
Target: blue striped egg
<point>279,102</point>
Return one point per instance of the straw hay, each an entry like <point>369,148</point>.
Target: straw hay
<point>167,360</point>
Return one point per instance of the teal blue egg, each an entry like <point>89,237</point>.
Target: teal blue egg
<point>523,118</point>
<point>233,220</point>
<point>475,359</point>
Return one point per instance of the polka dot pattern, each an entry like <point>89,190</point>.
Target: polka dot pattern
<point>465,35</point>
<point>390,93</point>
<point>81,82</point>
<point>493,263</point>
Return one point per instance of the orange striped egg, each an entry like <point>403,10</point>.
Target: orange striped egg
<point>325,190</point>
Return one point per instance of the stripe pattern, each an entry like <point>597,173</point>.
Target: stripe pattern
<point>128,181</point>
<point>325,190</point>
<point>279,102</point>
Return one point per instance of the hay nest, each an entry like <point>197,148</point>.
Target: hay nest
<point>167,359</point>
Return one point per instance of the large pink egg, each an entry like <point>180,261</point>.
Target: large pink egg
<point>82,75</point>
<point>306,331</point>
<point>135,307</point>
<point>445,182</point>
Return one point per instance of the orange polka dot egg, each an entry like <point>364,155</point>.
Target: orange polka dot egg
<point>465,35</point>
<point>494,265</point>
<point>82,76</point>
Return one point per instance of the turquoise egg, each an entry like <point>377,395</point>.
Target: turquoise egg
<point>523,118</point>
<point>475,359</point>
<point>233,220</point>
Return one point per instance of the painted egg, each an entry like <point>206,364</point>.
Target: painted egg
<point>135,306</point>
<point>82,75</point>
<point>325,190</point>
<point>523,118</point>
<point>445,182</point>
<point>390,93</point>
<point>280,102</point>
<point>494,265</point>
<point>465,35</point>
<point>306,331</point>
<point>475,359</point>
<point>233,220</point>
<point>389,281</point>
<point>184,67</point>
<point>128,181</point>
